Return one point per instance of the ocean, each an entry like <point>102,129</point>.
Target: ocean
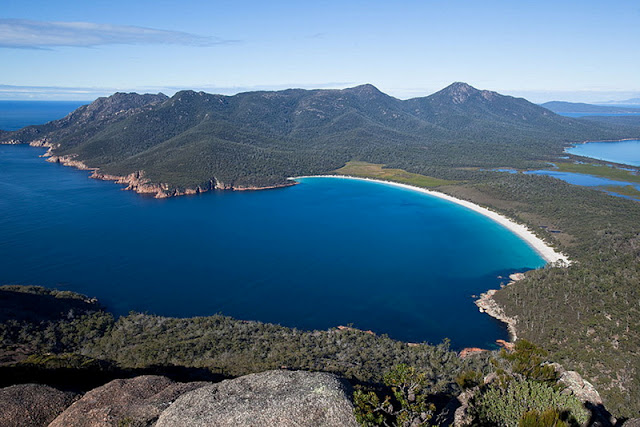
<point>18,114</point>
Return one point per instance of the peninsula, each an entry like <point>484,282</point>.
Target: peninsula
<point>195,142</point>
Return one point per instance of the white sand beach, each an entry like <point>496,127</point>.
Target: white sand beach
<point>546,252</point>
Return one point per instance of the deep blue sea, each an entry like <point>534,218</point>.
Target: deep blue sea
<point>18,114</point>
<point>323,253</point>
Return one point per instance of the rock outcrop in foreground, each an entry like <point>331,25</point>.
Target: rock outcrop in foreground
<point>135,402</point>
<point>273,398</point>
<point>32,405</point>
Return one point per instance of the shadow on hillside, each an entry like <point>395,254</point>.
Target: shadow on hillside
<point>600,417</point>
<point>41,305</point>
<point>95,374</point>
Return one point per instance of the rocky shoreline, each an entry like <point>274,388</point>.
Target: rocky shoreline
<point>136,181</point>
<point>486,304</point>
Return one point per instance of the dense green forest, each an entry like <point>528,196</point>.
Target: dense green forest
<point>258,139</point>
<point>65,339</point>
<point>585,316</point>
<point>38,320</point>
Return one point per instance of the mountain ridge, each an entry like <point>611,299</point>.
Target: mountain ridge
<point>258,139</point>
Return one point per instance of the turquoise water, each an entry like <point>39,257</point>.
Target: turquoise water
<point>323,253</point>
<point>625,152</point>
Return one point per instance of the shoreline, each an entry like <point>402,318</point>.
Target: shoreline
<point>607,140</point>
<point>485,303</point>
<point>136,181</point>
<point>140,184</point>
<point>549,254</point>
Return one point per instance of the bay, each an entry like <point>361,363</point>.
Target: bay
<point>320,254</point>
<point>316,255</point>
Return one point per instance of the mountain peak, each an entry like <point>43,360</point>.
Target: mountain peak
<point>365,89</point>
<point>460,92</point>
<point>461,87</point>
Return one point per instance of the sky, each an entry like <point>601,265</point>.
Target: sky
<point>583,51</point>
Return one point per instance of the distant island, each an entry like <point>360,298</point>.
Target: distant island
<point>627,102</point>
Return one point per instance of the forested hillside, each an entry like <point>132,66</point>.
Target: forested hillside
<point>586,315</point>
<point>258,139</point>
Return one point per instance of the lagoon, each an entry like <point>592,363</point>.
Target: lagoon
<point>588,181</point>
<point>624,152</point>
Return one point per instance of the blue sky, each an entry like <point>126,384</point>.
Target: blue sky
<point>543,50</point>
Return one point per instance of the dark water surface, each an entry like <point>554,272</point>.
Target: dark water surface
<point>323,253</point>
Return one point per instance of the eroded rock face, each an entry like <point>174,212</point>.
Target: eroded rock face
<point>273,398</point>
<point>576,385</point>
<point>30,405</point>
<point>131,402</point>
<point>579,387</point>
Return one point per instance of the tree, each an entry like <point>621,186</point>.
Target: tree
<point>408,405</point>
<point>528,361</point>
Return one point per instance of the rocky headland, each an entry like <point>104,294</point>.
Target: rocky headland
<point>486,304</point>
<point>138,181</point>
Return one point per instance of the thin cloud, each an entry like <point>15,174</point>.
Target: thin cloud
<point>68,93</point>
<point>26,34</point>
<point>53,93</point>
